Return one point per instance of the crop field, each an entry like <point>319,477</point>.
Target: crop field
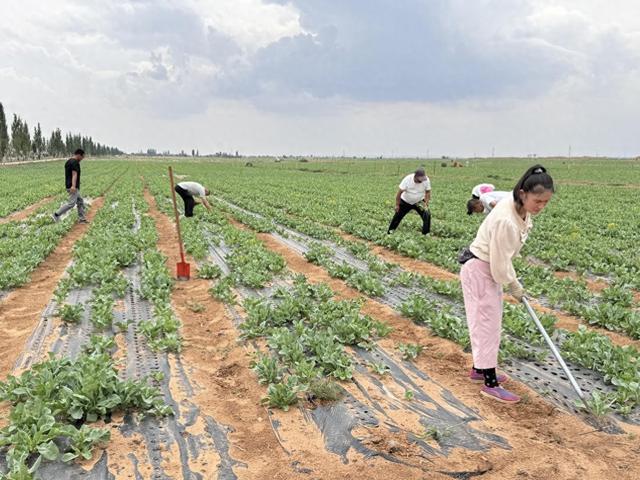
<point>309,343</point>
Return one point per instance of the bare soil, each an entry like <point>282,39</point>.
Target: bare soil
<point>228,390</point>
<point>20,310</point>
<point>596,286</point>
<point>411,264</point>
<point>566,321</point>
<point>23,214</point>
<point>546,442</point>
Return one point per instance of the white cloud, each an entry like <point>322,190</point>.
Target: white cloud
<point>364,76</point>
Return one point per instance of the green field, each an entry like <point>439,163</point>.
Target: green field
<point>306,344</point>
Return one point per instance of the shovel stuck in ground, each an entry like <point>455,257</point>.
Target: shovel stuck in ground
<point>183,268</point>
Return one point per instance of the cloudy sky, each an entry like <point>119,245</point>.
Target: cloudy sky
<point>359,77</point>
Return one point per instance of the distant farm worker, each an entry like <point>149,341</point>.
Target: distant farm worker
<point>189,191</point>
<point>482,188</point>
<point>414,194</point>
<point>72,184</point>
<point>486,202</point>
<point>487,266</point>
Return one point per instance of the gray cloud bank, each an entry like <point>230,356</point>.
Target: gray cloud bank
<point>179,59</point>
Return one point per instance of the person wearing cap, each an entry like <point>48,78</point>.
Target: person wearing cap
<point>189,191</point>
<point>486,202</point>
<point>482,188</point>
<point>414,190</point>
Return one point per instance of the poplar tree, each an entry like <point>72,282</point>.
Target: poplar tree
<point>4,135</point>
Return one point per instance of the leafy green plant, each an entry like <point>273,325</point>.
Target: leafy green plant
<point>283,394</point>
<point>379,367</point>
<point>50,398</point>
<point>195,307</point>
<point>598,404</point>
<point>366,283</point>
<point>267,369</point>
<point>209,271</point>
<point>318,253</point>
<point>71,313</point>
<point>223,290</point>
<point>324,389</point>
<point>410,351</point>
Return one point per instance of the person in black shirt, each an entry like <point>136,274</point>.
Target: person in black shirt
<point>72,184</point>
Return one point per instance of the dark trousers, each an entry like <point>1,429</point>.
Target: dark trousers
<point>189,202</point>
<point>406,208</point>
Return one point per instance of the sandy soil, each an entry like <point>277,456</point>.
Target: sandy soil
<point>228,390</point>
<point>410,264</point>
<point>20,310</point>
<point>566,321</point>
<point>546,442</point>
<point>23,214</point>
<point>596,286</point>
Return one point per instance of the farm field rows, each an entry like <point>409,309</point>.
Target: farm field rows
<point>309,344</point>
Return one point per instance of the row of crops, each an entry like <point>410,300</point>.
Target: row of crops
<point>57,399</point>
<point>308,346</point>
<point>331,205</point>
<point>301,211</point>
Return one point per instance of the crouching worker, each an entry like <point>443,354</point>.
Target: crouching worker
<point>487,266</point>
<point>486,202</point>
<point>189,191</point>
<point>414,190</point>
<point>481,188</point>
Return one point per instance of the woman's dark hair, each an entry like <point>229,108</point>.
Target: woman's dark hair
<point>535,180</point>
<point>471,204</point>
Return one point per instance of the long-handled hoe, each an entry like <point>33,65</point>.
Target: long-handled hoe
<point>597,419</point>
<point>554,349</point>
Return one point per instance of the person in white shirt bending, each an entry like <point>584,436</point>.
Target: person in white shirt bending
<point>414,194</point>
<point>487,266</point>
<point>486,202</point>
<point>482,188</point>
<point>189,190</point>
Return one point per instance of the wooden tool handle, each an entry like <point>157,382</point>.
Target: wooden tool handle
<point>175,211</point>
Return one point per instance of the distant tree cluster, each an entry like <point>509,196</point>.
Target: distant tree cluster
<point>152,152</point>
<point>20,144</point>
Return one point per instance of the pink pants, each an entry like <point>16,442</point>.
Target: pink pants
<point>483,305</point>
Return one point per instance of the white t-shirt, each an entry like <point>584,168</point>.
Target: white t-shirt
<point>478,190</point>
<point>413,192</point>
<point>495,196</point>
<point>194,188</point>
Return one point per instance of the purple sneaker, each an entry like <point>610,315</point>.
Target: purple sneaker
<point>499,394</point>
<point>478,377</point>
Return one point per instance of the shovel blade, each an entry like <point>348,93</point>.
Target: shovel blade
<point>183,271</point>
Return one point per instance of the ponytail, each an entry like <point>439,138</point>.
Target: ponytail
<point>535,180</point>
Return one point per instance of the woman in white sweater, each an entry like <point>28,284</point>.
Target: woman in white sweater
<point>488,266</point>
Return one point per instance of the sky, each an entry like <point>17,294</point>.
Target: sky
<point>329,77</point>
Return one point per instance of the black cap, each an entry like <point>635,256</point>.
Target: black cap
<point>420,173</point>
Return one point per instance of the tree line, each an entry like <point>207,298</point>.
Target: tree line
<point>19,143</point>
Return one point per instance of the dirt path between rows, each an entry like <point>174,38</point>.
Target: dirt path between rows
<point>23,214</point>
<point>547,443</point>
<point>20,310</point>
<point>228,390</point>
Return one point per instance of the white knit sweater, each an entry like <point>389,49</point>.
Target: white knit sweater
<point>500,238</point>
